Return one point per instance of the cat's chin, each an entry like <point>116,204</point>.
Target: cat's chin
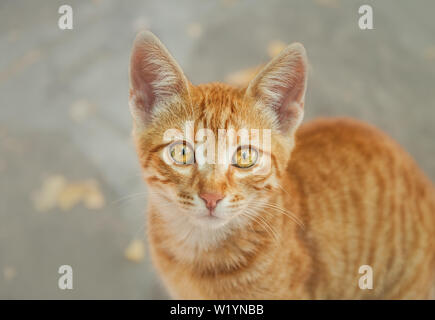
<point>209,222</point>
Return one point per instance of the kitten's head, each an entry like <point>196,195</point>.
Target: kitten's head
<point>212,154</point>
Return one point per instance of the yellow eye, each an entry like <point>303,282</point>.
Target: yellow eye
<point>181,153</point>
<point>245,157</point>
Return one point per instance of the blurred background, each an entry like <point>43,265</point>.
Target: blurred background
<point>71,191</point>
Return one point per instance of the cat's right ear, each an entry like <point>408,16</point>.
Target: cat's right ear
<point>156,80</point>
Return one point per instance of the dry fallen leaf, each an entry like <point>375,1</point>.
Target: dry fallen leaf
<point>194,30</point>
<point>241,78</point>
<point>46,197</point>
<point>81,109</point>
<point>70,196</point>
<point>93,198</point>
<point>9,273</point>
<point>87,192</point>
<point>135,251</point>
<point>20,64</point>
<point>275,47</point>
<point>57,192</point>
<point>429,53</point>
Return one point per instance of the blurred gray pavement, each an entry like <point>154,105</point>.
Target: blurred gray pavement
<point>64,112</point>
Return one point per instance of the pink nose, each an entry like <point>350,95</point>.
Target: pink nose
<point>211,199</point>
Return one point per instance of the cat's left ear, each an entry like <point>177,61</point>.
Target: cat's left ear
<point>156,80</point>
<point>280,87</point>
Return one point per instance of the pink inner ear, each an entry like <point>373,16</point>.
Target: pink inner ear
<point>289,108</point>
<point>142,76</point>
<point>155,77</point>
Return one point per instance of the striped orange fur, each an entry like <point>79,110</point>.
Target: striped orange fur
<point>340,193</point>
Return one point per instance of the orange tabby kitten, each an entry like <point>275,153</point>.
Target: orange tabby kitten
<point>339,194</point>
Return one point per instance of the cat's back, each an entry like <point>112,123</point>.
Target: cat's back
<point>333,147</point>
<point>364,202</point>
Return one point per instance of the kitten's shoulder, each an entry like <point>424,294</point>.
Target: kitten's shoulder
<point>336,139</point>
<point>338,125</point>
<point>333,131</point>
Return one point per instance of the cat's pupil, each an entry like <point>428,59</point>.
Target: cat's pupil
<point>245,155</point>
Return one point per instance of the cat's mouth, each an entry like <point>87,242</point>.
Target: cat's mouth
<point>210,220</point>
<point>210,217</point>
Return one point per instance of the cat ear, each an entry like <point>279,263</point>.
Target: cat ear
<point>280,87</point>
<point>156,80</point>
